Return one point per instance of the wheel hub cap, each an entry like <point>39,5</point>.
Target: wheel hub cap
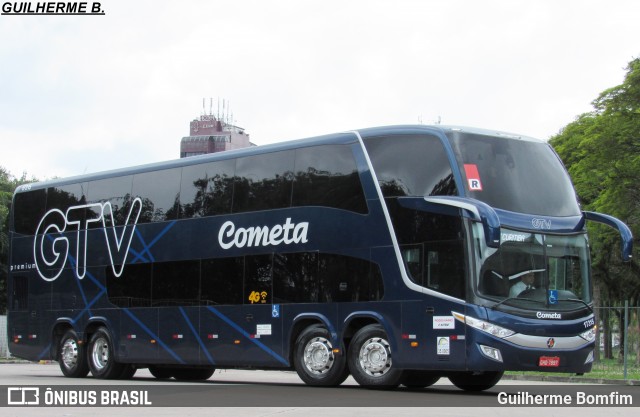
<point>375,356</point>
<point>69,353</point>
<point>318,355</point>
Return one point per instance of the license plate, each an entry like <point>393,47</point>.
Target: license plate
<point>549,361</point>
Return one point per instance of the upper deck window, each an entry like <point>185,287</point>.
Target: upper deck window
<point>517,175</point>
<point>411,165</point>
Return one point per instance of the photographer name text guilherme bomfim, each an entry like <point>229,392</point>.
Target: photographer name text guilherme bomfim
<point>52,8</point>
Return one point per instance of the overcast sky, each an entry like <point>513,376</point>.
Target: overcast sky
<point>82,94</point>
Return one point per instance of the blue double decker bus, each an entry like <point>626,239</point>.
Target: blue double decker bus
<point>397,255</point>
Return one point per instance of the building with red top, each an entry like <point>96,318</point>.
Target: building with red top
<point>210,134</point>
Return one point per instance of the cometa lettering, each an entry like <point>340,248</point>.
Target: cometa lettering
<point>287,233</point>
<point>555,316</point>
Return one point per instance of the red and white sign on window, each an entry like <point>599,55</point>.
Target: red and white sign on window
<point>473,177</point>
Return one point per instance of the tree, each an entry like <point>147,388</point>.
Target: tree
<point>601,150</point>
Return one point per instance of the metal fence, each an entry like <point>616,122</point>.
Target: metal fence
<point>4,340</point>
<point>618,340</point>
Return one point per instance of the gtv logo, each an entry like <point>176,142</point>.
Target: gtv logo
<point>51,249</point>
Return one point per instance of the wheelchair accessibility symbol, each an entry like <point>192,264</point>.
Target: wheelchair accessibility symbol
<point>275,311</point>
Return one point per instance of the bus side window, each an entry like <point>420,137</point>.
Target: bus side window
<point>328,176</point>
<point>295,277</point>
<point>258,279</point>
<point>207,189</point>
<point>263,182</point>
<point>29,208</point>
<point>160,194</point>
<point>116,191</point>
<point>20,293</point>
<point>221,282</point>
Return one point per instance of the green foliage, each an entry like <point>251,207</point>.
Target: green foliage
<point>601,150</point>
<point>8,184</point>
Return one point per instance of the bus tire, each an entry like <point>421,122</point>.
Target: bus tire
<point>159,372</point>
<point>419,379</point>
<point>370,359</point>
<point>315,361</point>
<point>71,356</point>
<point>128,371</point>
<point>101,358</point>
<point>192,374</point>
<point>476,381</point>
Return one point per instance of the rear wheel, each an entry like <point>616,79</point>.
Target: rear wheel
<point>476,381</point>
<point>71,356</point>
<point>370,359</point>
<point>101,356</point>
<point>315,361</point>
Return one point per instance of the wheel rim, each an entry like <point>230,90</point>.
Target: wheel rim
<point>318,356</point>
<point>100,353</point>
<point>69,354</point>
<point>375,356</point>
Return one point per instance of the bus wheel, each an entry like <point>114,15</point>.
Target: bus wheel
<point>370,359</point>
<point>315,361</point>
<point>101,356</point>
<point>475,381</point>
<point>419,379</point>
<point>160,372</point>
<point>71,356</point>
<point>128,371</point>
<point>192,374</point>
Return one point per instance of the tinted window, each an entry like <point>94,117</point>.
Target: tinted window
<point>295,278</point>
<point>328,176</point>
<point>66,196</point>
<point>19,293</point>
<point>28,210</point>
<point>411,165</point>
<point>132,288</point>
<point>515,175</point>
<point>432,248</point>
<point>257,279</point>
<point>116,191</point>
<point>221,281</point>
<point>263,182</point>
<point>207,189</point>
<point>176,283</point>
<point>160,193</point>
<point>347,279</point>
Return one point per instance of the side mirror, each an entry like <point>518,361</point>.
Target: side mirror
<point>623,229</point>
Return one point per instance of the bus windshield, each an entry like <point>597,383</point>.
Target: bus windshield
<point>518,175</point>
<point>535,271</point>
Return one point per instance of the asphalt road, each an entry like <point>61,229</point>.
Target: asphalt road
<point>242,393</point>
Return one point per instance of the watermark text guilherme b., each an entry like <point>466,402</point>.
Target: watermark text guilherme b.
<point>26,8</point>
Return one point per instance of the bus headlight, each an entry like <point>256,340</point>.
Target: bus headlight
<point>589,335</point>
<point>485,326</point>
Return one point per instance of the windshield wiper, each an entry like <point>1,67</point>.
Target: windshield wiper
<point>515,298</point>
<point>577,300</point>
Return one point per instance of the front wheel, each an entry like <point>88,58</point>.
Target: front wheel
<point>71,356</point>
<point>101,356</point>
<point>419,379</point>
<point>476,381</point>
<point>192,374</point>
<point>370,359</point>
<point>315,360</point>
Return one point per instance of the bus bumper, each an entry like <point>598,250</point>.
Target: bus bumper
<point>532,353</point>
